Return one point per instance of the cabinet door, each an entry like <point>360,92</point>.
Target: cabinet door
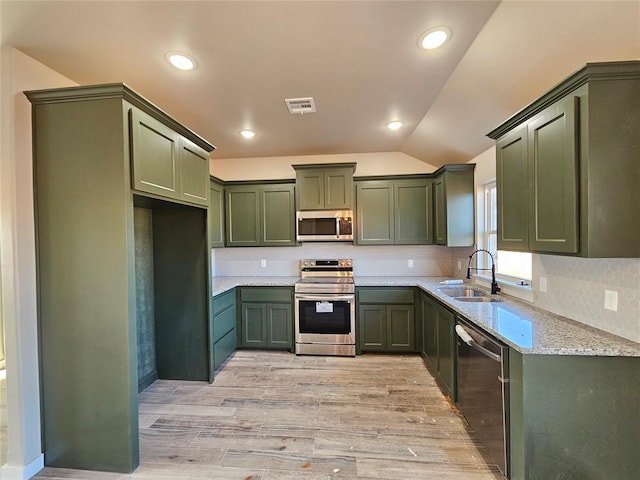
<point>243,216</point>
<point>279,326</point>
<point>193,164</point>
<point>338,188</point>
<point>155,156</point>
<point>375,218</point>
<point>439,212</point>
<point>277,215</point>
<point>400,328</point>
<point>373,327</point>
<point>429,330</point>
<point>552,138</point>
<point>512,182</point>
<point>310,192</point>
<point>254,325</point>
<point>446,349</point>
<point>216,215</point>
<point>413,212</point>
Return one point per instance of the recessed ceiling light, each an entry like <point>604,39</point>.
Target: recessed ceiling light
<point>247,133</point>
<point>434,38</point>
<point>395,125</point>
<point>181,61</point>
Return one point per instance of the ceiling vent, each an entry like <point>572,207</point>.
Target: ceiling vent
<point>300,105</point>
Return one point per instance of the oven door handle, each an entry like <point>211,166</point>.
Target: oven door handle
<point>326,298</point>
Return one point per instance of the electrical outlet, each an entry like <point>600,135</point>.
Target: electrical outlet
<point>410,263</point>
<point>543,284</point>
<point>611,300</point>
<point>459,265</point>
<point>263,263</point>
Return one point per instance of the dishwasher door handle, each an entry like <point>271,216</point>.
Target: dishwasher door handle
<point>468,339</point>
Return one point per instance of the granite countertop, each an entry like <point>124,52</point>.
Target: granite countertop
<point>525,328</point>
<point>222,284</point>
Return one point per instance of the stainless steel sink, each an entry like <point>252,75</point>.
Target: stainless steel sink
<point>476,299</point>
<point>468,294</point>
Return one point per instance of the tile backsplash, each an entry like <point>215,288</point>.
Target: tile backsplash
<point>383,260</point>
<point>576,288</point>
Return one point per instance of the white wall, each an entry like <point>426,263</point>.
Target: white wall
<point>17,251</point>
<point>272,168</point>
<point>576,286</point>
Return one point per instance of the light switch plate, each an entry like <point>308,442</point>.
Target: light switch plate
<point>459,265</point>
<point>611,300</point>
<point>410,263</point>
<point>263,263</point>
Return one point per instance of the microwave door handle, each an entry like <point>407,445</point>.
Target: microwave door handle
<point>337,226</point>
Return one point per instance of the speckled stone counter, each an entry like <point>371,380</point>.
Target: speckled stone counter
<point>222,284</point>
<point>523,327</point>
<point>527,329</point>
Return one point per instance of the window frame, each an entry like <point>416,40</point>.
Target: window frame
<point>519,286</point>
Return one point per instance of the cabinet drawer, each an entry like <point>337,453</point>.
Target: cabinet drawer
<point>271,294</point>
<point>223,322</point>
<point>223,348</point>
<point>385,295</point>
<point>223,301</point>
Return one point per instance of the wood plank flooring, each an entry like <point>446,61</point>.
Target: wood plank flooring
<point>274,415</point>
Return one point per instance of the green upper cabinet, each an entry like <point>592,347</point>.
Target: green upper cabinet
<point>260,215</point>
<point>553,172</point>
<point>374,213</point>
<point>512,179</point>
<point>413,211</point>
<point>324,186</point>
<point>216,214</point>
<point>165,163</point>
<point>194,173</point>
<point>394,212</point>
<point>454,206</point>
<point>567,167</point>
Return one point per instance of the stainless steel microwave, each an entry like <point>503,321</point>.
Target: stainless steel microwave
<point>324,226</point>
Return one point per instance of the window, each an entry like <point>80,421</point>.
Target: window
<point>512,266</point>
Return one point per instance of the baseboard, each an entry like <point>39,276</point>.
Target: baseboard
<point>25,472</point>
<point>147,380</point>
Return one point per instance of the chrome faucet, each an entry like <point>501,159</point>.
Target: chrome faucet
<point>494,285</point>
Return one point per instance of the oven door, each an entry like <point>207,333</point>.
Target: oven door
<point>325,319</point>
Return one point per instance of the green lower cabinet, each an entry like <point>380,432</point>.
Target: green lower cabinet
<point>438,342</point>
<point>384,326</point>
<point>429,347</point>
<point>574,417</point>
<point>373,327</point>
<point>266,318</point>
<point>224,334</point>
<point>446,346</point>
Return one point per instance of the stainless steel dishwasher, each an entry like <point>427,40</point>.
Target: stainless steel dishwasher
<point>483,391</point>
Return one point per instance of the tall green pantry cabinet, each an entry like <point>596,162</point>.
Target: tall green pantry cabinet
<point>121,198</point>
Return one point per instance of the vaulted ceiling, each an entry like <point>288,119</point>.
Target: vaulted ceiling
<point>359,60</point>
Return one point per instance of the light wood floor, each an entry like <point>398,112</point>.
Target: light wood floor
<point>272,415</point>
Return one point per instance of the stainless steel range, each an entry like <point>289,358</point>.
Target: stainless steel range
<point>325,308</point>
